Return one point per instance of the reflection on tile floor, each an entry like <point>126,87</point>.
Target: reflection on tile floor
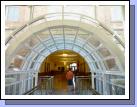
<point>60,87</point>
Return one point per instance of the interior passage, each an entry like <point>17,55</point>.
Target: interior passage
<point>43,42</point>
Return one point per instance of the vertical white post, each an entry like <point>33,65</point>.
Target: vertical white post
<point>92,77</point>
<point>36,79</point>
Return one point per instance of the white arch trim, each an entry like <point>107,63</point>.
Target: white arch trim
<point>84,53</point>
<point>100,34</point>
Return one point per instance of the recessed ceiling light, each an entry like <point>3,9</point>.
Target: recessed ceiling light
<point>64,54</point>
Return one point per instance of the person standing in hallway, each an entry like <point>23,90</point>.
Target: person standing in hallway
<point>69,77</point>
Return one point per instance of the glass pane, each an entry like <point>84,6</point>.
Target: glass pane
<point>104,52</point>
<point>44,35</point>
<point>53,9</point>
<point>31,55</point>
<point>39,47</point>
<point>79,42</point>
<point>16,63</point>
<point>46,53</point>
<point>57,31</point>
<point>58,40</point>
<point>96,65</point>
<point>83,53</point>
<point>32,64</point>
<point>13,13</point>
<point>85,10</point>
<point>83,36</point>
<point>116,13</point>
<point>60,46</point>
<point>53,48</point>
<point>111,64</point>
<point>10,78</point>
<point>39,10</point>
<point>58,36</point>
<point>69,39</point>
<point>40,58</point>
<point>76,48</point>
<point>94,41</point>
<point>23,51</point>
<point>89,48</point>
<point>50,42</point>
<point>33,41</point>
<point>68,46</point>
<point>69,31</point>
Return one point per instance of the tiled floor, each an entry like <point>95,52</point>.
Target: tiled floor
<point>60,82</point>
<point>60,87</point>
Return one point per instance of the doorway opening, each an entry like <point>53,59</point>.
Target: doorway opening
<point>59,62</point>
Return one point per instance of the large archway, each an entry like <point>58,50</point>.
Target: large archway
<point>57,64</point>
<point>91,41</point>
<point>99,34</point>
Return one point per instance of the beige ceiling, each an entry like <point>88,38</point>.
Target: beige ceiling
<point>70,56</point>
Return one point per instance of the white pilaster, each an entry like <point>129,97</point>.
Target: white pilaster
<point>92,78</point>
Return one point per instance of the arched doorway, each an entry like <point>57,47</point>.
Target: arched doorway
<point>58,63</point>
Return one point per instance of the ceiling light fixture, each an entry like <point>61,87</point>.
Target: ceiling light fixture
<point>64,54</point>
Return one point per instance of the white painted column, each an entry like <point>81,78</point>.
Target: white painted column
<point>92,78</point>
<point>36,79</point>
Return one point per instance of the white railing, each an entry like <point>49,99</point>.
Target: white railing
<point>23,82</point>
<point>20,82</point>
<point>114,86</point>
<point>17,88</point>
<point>83,85</point>
<point>48,85</point>
<point>45,86</point>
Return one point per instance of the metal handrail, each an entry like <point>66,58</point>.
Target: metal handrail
<point>94,92</point>
<point>32,90</point>
<point>50,84</point>
<point>83,77</point>
<point>20,72</point>
<point>81,16</point>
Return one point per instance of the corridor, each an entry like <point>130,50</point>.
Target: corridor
<point>43,42</point>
